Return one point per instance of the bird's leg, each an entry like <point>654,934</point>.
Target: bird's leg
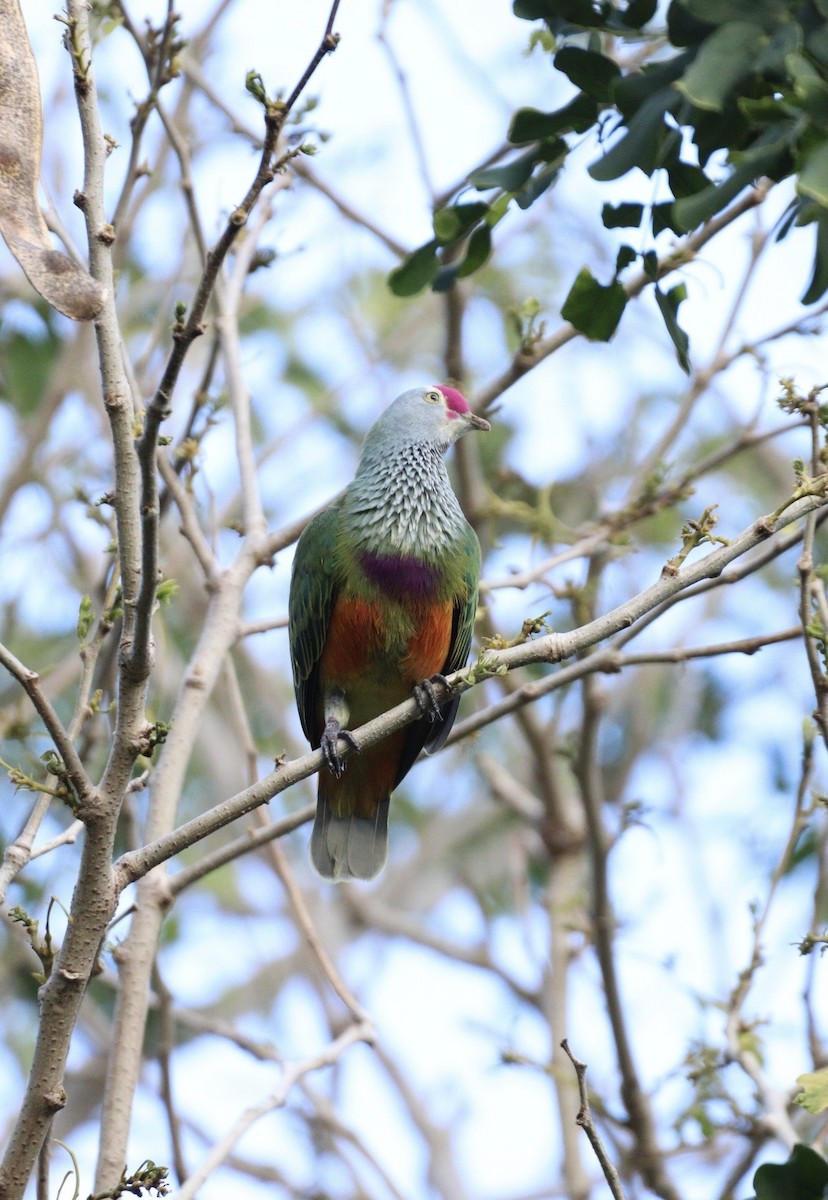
<point>337,716</point>
<point>330,735</point>
<point>426,697</point>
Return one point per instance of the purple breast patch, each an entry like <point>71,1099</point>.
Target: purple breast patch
<point>400,576</point>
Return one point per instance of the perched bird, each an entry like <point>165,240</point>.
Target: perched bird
<point>382,599</point>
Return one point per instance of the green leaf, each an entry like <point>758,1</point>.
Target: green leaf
<point>636,88</point>
<point>803,1177</point>
<point>167,591</point>
<point>477,252</point>
<point>772,59</point>
<point>576,12</point>
<point>638,13</point>
<point>510,177</point>
<point>767,110</point>
<point>562,15</point>
<point>814,1095</point>
<point>537,185</point>
<point>668,304</point>
<point>684,29</point>
<point>498,209</point>
<point>254,84</point>
<point>649,261</point>
<point>685,179</point>
<point>642,144</point>
<point>817,41</point>
<point>86,617</point>
<point>722,12</point>
<point>592,73</point>
<point>623,20</point>
<point>416,271</point>
<point>725,58</point>
<point>552,150</point>
<point>531,125</point>
<point>594,308</point>
<point>622,216</point>
<point>695,210</point>
<point>625,257</point>
<point>455,221</point>
<point>813,174</point>
<point>769,13</point>
<point>819,274</point>
<point>663,218</point>
<point>791,217</point>
<point>534,10</point>
<point>809,87</point>
<point>445,278</point>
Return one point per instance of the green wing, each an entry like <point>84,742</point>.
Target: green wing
<point>465,610</point>
<point>313,589</point>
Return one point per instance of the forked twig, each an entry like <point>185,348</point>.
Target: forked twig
<point>584,1119</point>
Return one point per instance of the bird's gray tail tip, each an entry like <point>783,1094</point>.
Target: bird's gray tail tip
<point>349,847</point>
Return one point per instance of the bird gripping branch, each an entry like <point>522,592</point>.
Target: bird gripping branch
<point>382,598</point>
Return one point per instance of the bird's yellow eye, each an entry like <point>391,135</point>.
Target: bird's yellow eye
<point>433,396</point>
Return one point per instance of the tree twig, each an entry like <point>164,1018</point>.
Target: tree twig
<point>584,1119</point>
<point>291,1074</point>
<point>85,793</point>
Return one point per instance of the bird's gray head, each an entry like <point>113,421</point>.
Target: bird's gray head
<point>431,416</point>
<point>401,500</point>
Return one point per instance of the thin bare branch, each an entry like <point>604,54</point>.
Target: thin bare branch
<point>292,1073</point>
<point>584,1119</point>
<point>85,794</point>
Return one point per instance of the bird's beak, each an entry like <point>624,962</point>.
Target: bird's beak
<point>475,422</point>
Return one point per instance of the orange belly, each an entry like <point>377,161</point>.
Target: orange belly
<point>356,641</point>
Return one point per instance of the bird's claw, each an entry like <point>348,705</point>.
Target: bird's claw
<point>426,697</point>
<point>333,759</point>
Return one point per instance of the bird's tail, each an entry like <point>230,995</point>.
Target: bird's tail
<point>350,833</point>
<point>349,841</point>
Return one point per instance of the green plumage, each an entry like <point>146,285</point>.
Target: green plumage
<point>314,585</point>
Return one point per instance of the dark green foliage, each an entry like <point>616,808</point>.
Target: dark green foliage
<point>804,1176</point>
<point>745,80</point>
<point>593,308</point>
<point>622,216</point>
<point>668,304</point>
<point>416,271</point>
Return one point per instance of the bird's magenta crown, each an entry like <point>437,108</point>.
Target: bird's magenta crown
<point>455,401</point>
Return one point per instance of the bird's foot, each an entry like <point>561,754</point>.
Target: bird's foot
<point>426,697</point>
<point>330,735</point>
